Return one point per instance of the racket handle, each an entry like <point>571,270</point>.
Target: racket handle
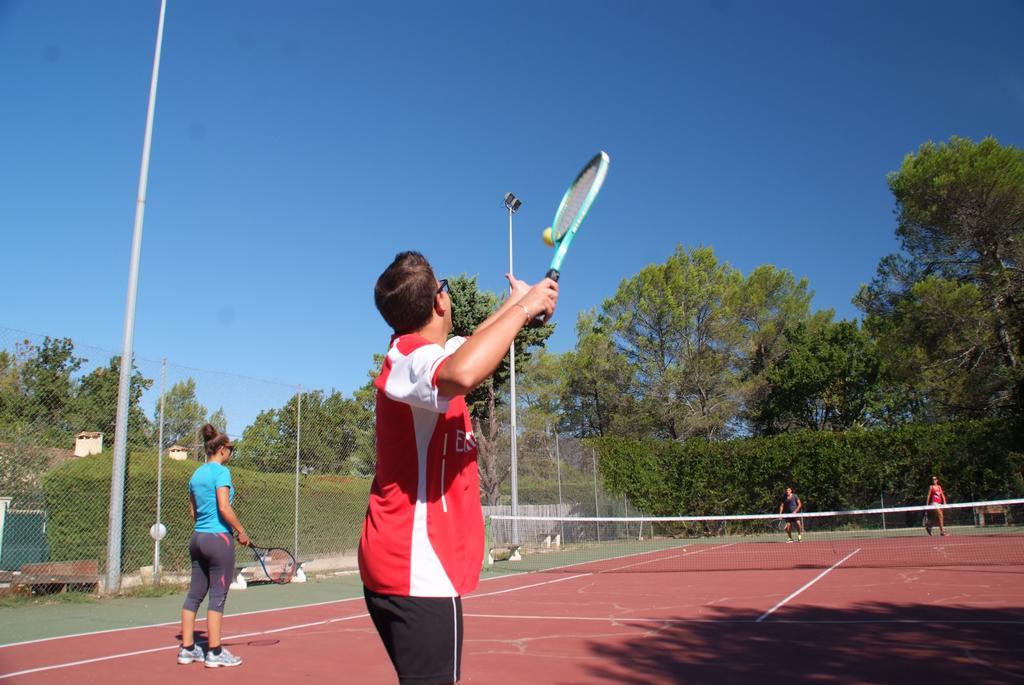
<point>539,321</point>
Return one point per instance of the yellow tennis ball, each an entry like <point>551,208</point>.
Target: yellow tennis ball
<point>549,238</point>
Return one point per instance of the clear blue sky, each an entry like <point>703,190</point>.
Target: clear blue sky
<point>299,145</point>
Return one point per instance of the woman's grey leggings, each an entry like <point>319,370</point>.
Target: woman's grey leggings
<point>213,567</point>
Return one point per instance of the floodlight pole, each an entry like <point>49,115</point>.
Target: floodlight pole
<point>113,577</point>
<point>512,204</point>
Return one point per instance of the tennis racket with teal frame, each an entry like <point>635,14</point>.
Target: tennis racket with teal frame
<point>574,207</point>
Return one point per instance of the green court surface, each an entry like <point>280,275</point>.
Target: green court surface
<point>38,619</point>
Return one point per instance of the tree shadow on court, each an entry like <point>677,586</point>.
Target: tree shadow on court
<point>866,643</point>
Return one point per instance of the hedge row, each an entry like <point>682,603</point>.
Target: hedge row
<point>974,459</point>
<point>77,496</point>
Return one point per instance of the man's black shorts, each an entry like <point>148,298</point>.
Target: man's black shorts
<point>422,635</point>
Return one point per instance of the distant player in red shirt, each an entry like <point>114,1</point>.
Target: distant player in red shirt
<point>937,498</point>
<point>422,544</point>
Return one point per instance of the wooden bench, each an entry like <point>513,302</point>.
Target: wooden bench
<point>992,510</point>
<point>58,574</point>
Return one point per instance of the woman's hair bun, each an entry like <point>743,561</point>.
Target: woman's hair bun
<point>209,432</point>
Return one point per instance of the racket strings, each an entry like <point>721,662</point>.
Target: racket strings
<point>278,564</point>
<point>575,199</point>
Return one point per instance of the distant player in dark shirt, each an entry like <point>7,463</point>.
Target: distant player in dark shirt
<point>792,505</point>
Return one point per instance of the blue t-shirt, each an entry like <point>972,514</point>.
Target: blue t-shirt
<point>203,485</point>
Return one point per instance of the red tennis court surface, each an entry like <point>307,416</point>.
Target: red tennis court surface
<point>847,623</point>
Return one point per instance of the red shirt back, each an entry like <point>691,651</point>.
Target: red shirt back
<point>423,535</point>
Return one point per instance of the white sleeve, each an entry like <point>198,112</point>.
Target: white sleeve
<point>413,377</point>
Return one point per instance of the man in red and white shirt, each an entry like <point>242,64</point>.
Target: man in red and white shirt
<point>423,540</point>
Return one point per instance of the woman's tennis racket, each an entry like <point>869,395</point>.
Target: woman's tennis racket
<point>574,207</point>
<point>277,563</point>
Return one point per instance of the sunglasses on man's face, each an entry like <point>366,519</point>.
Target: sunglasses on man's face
<point>443,287</point>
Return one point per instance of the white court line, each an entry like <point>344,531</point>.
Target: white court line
<point>297,606</point>
<point>592,573</point>
<point>674,556</point>
<point>526,587</point>
<point>54,667</point>
<point>227,638</point>
<point>173,623</point>
<point>294,627</point>
<point>583,563</point>
<point>812,582</point>
<point>200,620</point>
<point>83,662</point>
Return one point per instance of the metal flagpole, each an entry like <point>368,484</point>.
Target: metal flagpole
<point>113,577</point>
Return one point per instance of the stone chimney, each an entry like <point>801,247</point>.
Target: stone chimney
<point>88,443</point>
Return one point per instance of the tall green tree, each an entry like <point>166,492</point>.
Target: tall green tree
<point>598,391</point>
<point>95,404</point>
<point>11,399</point>
<point>769,303</point>
<point>673,323</point>
<point>364,462</point>
<point>824,380</point>
<point>219,419</point>
<point>938,350</point>
<point>47,379</point>
<point>960,219</point>
<point>184,417</point>
<point>540,383</point>
<point>336,435</point>
<point>470,307</point>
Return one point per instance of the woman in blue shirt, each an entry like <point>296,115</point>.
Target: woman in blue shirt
<point>212,550</point>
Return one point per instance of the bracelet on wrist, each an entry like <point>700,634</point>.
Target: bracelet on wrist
<point>525,310</point>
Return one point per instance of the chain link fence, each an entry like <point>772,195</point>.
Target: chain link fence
<point>301,468</point>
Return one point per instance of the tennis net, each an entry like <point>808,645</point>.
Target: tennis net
<point>989,533</point>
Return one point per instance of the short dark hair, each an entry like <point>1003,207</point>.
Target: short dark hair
<point>405,292</point>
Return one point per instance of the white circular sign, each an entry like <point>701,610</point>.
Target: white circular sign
<point>157,531</point>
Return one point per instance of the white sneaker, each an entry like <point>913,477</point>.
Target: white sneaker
<point>789,541</point>
<point>225,658</point>
<point>187,656</point>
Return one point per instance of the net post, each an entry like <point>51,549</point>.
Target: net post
<point>488,560</point>
<point>159,469</point>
